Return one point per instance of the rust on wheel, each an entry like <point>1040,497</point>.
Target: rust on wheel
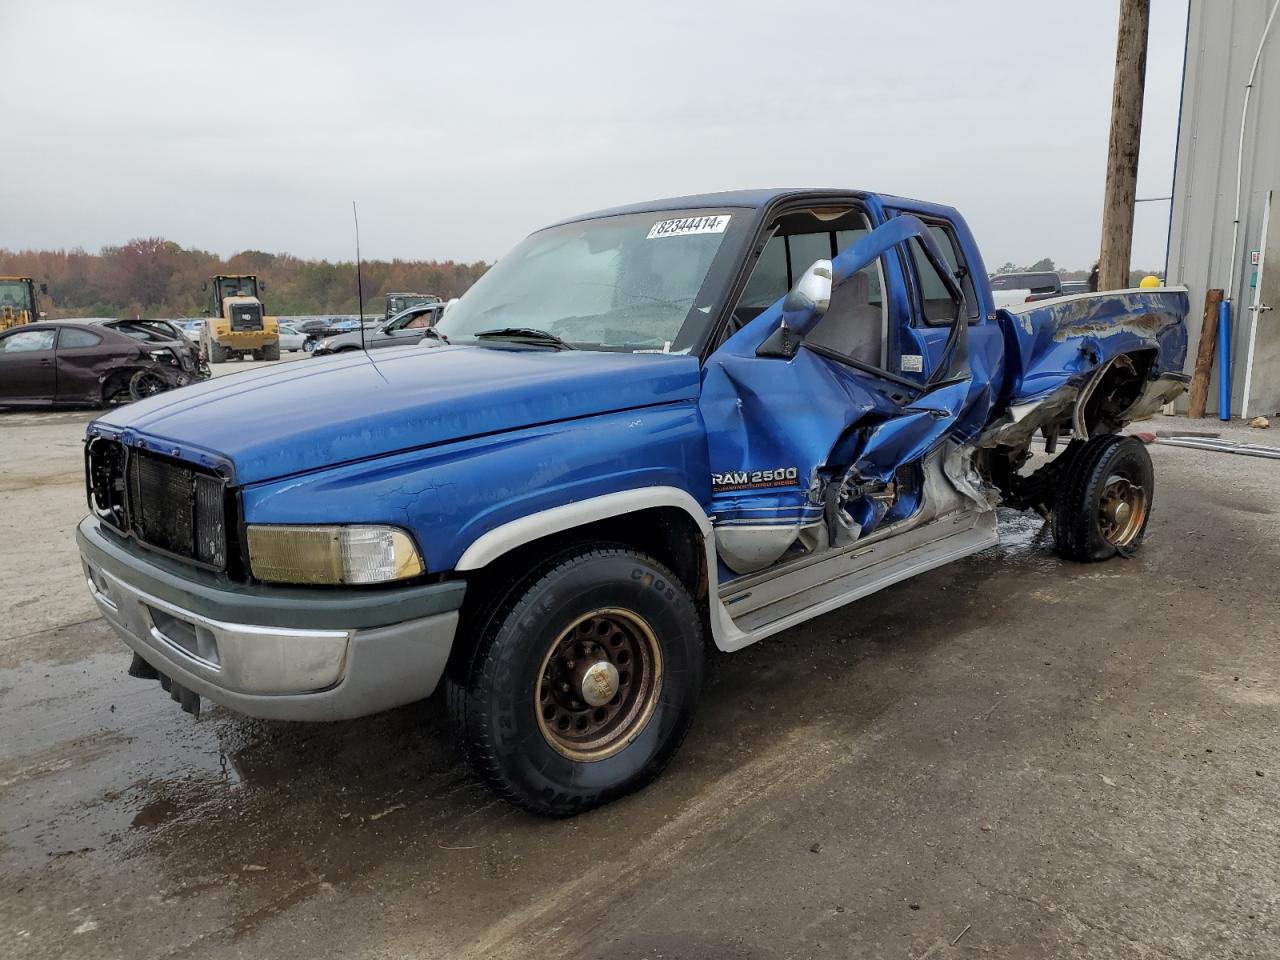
<point>1122,511</point>
<point>599,684</point>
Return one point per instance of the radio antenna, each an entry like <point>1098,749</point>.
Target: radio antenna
<point>359,279</point>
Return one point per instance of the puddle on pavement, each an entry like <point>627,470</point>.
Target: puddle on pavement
<point>106,779</point>
<point>1025,541</point>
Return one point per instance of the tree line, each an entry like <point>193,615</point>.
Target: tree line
<point>154,277</point>
<point>1045,265</point>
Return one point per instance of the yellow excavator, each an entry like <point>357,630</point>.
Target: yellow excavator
<point>237,324</point>
<point>18,301</point>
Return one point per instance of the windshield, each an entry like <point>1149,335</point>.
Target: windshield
<point>643,281</point>
<point>237,287</point>
<point>15,295</point>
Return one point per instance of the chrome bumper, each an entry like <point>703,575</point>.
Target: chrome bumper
<point>273,672</point>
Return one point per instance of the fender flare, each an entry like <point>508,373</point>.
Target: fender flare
<point>502,539</point>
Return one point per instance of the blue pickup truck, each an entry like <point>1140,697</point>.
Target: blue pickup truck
<point>645,430</point>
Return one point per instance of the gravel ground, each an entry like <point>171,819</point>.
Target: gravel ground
<point>1011,756</point>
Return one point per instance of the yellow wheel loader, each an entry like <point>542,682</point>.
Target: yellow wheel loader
<point>237,324</point>
<point>18,301</point>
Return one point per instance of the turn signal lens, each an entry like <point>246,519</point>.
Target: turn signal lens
<point>331,554</point>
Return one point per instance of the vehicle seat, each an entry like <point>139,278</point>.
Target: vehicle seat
<point>852,326</point>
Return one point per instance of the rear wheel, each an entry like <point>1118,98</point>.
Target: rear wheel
<point>1104,500</point>
<point>146,383</point>
<point>271,351</point>
<point>583,683</point>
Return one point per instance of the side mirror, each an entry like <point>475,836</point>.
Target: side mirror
<point>205,286</point>
<point>809,299</point>
<point>804,305</point>
<point>262,285</point>
<point>44,288</point>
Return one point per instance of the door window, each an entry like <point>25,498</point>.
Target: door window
<point>935,303</point>
<point>769,280</point>
<point>71,339</point>
<point>27,341</point>
<point>937,306</point>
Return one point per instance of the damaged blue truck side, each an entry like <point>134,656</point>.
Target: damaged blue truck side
<point>700,420</point>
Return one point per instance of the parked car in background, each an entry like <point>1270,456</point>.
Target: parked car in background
<point>292,339</point>
<point>311,327</point>
<point>1072,287</point>
<point>191,328</point>
<point>93,361</point>
<point>402,330</point>
<point>1011,289</point>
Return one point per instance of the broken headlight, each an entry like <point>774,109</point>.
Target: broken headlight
<point>331,555</point>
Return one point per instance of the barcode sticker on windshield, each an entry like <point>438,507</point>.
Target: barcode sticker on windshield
<point>688,225</point>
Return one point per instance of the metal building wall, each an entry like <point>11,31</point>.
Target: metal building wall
<point>1222,38</point>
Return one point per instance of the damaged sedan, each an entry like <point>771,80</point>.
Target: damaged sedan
<point>94,362</point>
<point>646,431</point>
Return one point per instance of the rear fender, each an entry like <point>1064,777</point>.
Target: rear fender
<point>1064,341</point>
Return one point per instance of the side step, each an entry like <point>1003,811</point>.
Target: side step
<point>766,607</point>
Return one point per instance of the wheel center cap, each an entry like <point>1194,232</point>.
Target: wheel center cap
<point>599,683</point>
<point>1121,512</point>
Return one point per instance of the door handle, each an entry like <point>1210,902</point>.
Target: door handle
<point>45,361</point>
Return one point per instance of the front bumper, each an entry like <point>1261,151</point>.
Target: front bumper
<point>274,653</point>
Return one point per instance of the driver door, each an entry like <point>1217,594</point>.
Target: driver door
<point>821,410</point>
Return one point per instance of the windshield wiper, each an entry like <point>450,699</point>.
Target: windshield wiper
<point>524,335</point>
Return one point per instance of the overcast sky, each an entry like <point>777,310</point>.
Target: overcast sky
<point>459,127</point>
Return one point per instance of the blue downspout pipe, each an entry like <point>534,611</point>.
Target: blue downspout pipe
<point>1224,360</point>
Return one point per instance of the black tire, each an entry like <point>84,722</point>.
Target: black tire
<point>271,351</point>
<point>494,694</point>
<point>146,383</point>
<point>217,352</point>
<point>1084,525</point>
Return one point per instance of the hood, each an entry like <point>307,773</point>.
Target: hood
<point>320,412</point>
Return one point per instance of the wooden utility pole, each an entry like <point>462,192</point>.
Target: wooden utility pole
<point>1199,393</point>
<point>1122,154</point>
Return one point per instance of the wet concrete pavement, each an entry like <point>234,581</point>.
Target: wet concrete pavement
<point>1010,756</point>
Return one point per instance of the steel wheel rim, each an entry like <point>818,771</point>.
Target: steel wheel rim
<point>1122,510</point>
<point>609,645</point>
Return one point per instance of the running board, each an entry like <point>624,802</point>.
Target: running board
<point>766,607</point>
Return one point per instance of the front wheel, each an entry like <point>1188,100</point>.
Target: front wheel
<point>583,683</point>
<point>1104,500</point>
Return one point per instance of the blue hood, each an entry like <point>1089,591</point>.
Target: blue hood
<point>277,421</point>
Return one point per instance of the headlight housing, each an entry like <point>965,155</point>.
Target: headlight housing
<point>331,555</point>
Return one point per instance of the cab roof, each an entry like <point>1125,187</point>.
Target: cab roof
<point>753,200</point>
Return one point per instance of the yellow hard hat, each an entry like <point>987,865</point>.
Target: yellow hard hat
<point>1150,281</point>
